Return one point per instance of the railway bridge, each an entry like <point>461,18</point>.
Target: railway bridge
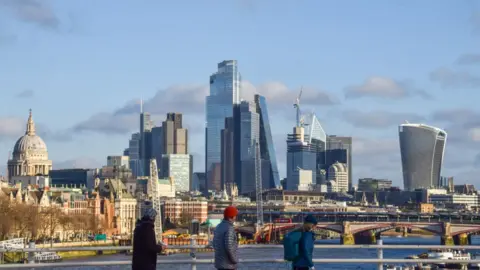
<point>368,232</point>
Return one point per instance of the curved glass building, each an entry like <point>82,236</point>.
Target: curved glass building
<point>224,93</point>
<point>422,148</point>
<point>313,129</point>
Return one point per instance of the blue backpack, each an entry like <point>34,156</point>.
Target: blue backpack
<point>291,248</point>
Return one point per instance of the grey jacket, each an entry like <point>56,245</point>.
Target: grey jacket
<point>225,245</point>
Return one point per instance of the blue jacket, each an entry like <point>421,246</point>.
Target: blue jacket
<point>306,250</point>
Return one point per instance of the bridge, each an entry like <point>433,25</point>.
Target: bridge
<point>368,232</point>
<point>364,216</point>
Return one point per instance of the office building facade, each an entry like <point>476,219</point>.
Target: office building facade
<point>118,161</point>
<point>249,136</point>
<point>422,149</point>
<point>267,147</point>
<point>300,156</point>
<point>145,146</point>
<point>372,184</point>
<point>178,167</point>
<point>339,149</point>
<point>134,154</point>
<point>224,94</point>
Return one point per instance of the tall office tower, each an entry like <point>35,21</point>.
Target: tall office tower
<point>180,168</point>
<point>174,135</point>
<point>180,136</point>
<point>146,126</point>
<point>422,148</point>
<point>316,136</point>
<point>300,156</point>
<point>228,153</point>
<point>340,149</point>
<point>157,145</point>
<point>224,93</point>
<point>134,154</point>
<point>249,133</point>
<point>267,148</point>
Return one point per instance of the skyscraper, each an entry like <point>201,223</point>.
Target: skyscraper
<point>175,136</point>
<point>224,93</point>
<point>228,153</point>
<point>134,154</point>
<point>249,134</point>
<point>145,149</point>
<point>340,149</point>
<point>170,149</point>
<point>422,148</point>
<point>267,148</point>
<point>300,156</point>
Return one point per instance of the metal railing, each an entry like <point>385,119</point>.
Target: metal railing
<point>193,262</point>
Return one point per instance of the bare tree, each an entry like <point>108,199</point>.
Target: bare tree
<point>185,220</point>
<point>65,221</point>
<point>6,221</point>
<point>51,218</point>
<point>34,220</point>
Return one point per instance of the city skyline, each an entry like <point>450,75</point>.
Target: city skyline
<point>361,78</point>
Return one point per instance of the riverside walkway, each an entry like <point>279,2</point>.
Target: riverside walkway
<point>254,257</point>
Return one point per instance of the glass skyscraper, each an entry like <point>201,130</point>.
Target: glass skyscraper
<point>224,93</point>
<point>267,148</point>
<point>249,135</point>
<point>422,148</point>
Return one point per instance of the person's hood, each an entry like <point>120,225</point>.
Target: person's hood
<point>145,221</point>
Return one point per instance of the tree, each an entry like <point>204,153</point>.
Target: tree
<point>67,224</point>
<point>26,219</point>
<point>185,220</point>
<point>6,221</point>
<point>51,218</point>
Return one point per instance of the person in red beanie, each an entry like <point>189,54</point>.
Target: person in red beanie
<point>225,241</point>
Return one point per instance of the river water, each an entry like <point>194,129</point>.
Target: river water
<point>278,254</point>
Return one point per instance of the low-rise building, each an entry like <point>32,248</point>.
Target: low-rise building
<point>455,201</point>
<point>176,210</point>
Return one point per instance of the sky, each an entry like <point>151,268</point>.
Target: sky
<point>365,67</point>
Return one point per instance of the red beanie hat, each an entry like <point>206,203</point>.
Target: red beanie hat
<point>230,212</point>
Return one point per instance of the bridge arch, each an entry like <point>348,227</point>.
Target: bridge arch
<point>436,229</point>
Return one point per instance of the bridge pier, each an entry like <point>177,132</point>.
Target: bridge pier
<point>347,239</point>
<point>447,240</point>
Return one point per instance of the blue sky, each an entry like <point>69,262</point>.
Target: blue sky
<point>366,67</point>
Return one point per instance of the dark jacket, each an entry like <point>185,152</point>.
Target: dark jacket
<point>145,246</point>
<point>306,246</point>
<point>225,245</point>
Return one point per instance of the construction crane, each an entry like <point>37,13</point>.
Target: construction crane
<point>296,105</point>
<point>155,198</point>
<point>258,184</point>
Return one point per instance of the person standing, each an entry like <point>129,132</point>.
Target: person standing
<point>225,242</point>
<point>306,245</point>
<point>145,247</point>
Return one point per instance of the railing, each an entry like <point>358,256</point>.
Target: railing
<point>380,261</point>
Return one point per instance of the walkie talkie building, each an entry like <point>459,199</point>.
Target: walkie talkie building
<point>422,149</point>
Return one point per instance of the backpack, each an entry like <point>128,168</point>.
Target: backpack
<point>291,248</point>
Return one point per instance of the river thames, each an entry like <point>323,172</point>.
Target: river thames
<point>259,253</point>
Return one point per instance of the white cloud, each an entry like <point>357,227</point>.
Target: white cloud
<point>474,134</point>
<point>383,87</point>
<point>450,79</point>
<point>378,119</point>
<point>11,127</point>
<point>78,163</point>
